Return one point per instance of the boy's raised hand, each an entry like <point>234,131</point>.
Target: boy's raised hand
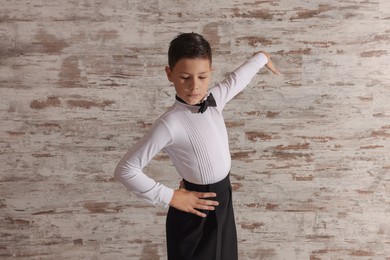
<point>270,65</point>
<point>190,201</point>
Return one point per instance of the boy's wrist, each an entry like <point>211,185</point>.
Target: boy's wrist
<point>167,197</point>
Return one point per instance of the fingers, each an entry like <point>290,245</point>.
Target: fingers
<point>203,204</point>
<point>206,204</point>
<point>198,213</point>
<point>272,68</point>
<point>270,65</point>
<point>203,198</point>
<point>204,195</point>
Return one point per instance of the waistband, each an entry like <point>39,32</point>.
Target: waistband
<point>214,187</point>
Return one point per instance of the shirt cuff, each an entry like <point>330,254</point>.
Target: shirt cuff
<point>261,59</point>
<point>166,196</point>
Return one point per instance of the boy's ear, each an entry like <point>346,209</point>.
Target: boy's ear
<point>169,73</point>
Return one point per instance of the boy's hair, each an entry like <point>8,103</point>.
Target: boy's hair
<point>188,45</point>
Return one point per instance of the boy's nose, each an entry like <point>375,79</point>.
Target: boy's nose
<point>193,84</point>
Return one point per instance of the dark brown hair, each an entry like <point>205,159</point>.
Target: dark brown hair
<point>188,45</point>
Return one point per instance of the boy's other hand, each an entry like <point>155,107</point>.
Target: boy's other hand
<point>190,201</point>
<point>270,65</point>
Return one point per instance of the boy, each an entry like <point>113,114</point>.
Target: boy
<point>200,221</point>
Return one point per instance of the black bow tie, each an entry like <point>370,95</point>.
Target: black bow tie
<point>208,102</point>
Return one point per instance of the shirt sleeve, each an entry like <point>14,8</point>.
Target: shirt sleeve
<point>236,81</point>
<point>129,170</point>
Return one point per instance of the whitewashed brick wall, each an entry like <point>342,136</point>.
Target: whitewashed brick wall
<point>81,81</point>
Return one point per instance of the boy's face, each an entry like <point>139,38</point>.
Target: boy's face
<point>191,78</point>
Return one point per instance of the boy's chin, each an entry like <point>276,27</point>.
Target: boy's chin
<point>193,102</point>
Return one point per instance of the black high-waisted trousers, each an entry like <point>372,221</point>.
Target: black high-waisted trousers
<point>190,237</point>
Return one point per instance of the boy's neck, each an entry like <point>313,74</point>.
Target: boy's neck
<point>182,101</point>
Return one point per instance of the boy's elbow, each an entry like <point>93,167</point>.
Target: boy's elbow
<point>125,172</point>
<point>118,172</point>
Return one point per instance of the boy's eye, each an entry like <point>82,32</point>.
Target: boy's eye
<point>185,77</point>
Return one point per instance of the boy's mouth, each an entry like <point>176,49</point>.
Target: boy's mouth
<point>193,95</point>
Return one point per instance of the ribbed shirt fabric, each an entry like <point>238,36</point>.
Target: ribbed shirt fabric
<point>196,143</point>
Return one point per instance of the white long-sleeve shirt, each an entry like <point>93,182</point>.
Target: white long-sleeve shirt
<point>196,143</point>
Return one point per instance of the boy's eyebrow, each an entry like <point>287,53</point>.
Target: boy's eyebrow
<point>204,72</point>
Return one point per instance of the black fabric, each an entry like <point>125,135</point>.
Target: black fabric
<point>190,237</point>
<point>208,102</point>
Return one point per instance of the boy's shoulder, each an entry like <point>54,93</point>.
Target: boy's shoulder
<point>170,119</point>
<point>170,115</point>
